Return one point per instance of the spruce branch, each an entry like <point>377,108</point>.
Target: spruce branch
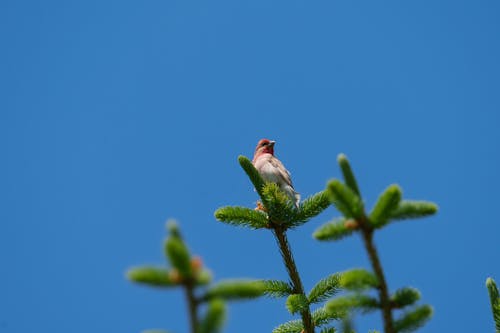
<point>202,277</point>
<point>324,289</point>
<point>293,326</point>
<point>242,216</point>
<point>152,276</point>
<point>358,279</point>
<point>495,302</point>
<point>327,330</point>
<point>404,297</point>
<point>280,214</point>
<point>311,207</point>
<point>386,204</point>
<point>345,199</point>
<point>235,290</point>
<point>214,317</point>
<point>319,318</point>
<point>185,270</point>
<point>358,302</point>
<point>189,274</point>
<point>411,209</point>
<point>413,319</point>
<point>280,209</point>
<point>177,251</point>
<point>336,229</point>
<point>349,178</point>
<point>297,303</point>
<point>322,316</point>
<point>252,173</point>
<point>347,324</point>
<point>173,228</point>
<point>276,288</point>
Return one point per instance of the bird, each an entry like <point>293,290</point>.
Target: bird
<point>272,170</point>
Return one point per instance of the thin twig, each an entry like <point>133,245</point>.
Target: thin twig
<point>192,306</point>
<point>377,268</point>
<point>286,253</point>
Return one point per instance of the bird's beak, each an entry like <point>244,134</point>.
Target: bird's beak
<point>271,143</point>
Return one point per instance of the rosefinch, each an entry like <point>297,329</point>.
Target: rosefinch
<point>272,170</point>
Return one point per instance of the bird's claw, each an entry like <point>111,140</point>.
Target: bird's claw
<point>260,207</point>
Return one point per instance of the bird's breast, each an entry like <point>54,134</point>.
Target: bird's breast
<point>267,170</point>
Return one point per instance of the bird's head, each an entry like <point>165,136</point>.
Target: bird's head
<point>264,146</point>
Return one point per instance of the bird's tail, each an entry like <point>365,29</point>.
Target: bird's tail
<point>297,198</point>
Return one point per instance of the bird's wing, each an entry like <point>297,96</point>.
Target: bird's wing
<point>283,172</point>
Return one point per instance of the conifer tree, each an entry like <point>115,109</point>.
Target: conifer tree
<point>280,214</point>
<point>495,302</point>
<point>188,273</point>
<point>390,207</point>
<point>362,290</point>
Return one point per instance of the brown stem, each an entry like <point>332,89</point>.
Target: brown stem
<point>192,306</point>
<point>286,253</point>
<point>377,268</point>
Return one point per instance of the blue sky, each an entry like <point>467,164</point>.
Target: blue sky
<point>117,115</point>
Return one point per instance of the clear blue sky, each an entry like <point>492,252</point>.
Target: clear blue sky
<point>116,115</point>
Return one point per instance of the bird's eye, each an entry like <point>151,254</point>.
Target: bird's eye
<point>263,144</point>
